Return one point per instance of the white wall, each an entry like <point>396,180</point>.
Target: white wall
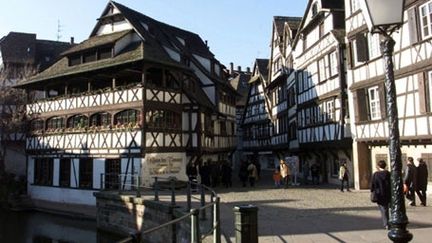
<point>62,195</point>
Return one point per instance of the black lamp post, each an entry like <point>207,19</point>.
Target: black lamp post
<point>384,17</point>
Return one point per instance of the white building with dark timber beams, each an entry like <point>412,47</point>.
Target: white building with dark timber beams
<point>413,79</point>
<point>257,126</point>
<point>281,88</point>
<point>323,128</point>
<point>138,97</point>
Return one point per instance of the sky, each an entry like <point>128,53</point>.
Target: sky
<point>237,31</point>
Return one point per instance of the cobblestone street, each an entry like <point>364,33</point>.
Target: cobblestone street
<point>315,214</point>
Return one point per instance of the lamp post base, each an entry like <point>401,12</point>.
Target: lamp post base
<point>399,235</point>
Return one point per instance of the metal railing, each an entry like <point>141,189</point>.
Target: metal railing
<point>172,189</point>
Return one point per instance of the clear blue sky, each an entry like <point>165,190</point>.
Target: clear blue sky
<point>237,30</point>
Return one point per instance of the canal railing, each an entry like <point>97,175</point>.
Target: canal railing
<point>201,204</point>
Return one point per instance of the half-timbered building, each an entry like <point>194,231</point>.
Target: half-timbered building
<point>138,98</point>
<point>281,87</point>
<point>257,125</point>
<point>239,81</point>
<point>323,130</point>
<point>21,55</point>
<point>413,79</point>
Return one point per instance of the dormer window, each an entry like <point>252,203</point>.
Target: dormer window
<point>91,56</point>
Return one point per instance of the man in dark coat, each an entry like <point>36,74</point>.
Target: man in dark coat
<point>422,181</point>
<point>381,188</point>
<point>410,181</point>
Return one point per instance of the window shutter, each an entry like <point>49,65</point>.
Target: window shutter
<point>349,55</point>
<point>362,48</point>
<point>422,93</point>
<point>412,25</point>
<point>382,98</point>
<point>360,105</point>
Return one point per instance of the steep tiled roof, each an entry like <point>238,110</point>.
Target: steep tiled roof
<point>240,84</point>
<point>164,33</point>
<point>62,68</point>
<point>279,22</point>
<point>97,41</point>
<point>263,66</point>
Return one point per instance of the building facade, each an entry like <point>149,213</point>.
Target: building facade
<point>323,128</point>
<point>21,55</point>
<point>256,124</point>
<point>139,98</point>
<point>413,79</point>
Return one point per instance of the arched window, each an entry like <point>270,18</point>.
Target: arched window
<point>100,119</point>
<point>77,121</point>
<point>165,119</point>
<point>37,125</point>
<point>154,77</point>
<point>126,117</point>
<point>55,123</point>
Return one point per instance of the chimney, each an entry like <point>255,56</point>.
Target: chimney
<point>248,69</point>
<point>239,68</point>
<point>231,68</point>
<point>206,43</point>
<point>72,40</point>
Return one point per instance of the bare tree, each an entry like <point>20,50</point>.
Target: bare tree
<point>12,105</point>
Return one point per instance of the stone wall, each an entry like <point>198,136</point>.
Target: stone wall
<point>125,214</point>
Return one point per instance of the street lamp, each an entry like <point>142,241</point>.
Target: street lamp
<point>385,17</point>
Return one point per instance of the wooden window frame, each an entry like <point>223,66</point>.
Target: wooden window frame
<point>43,171</point>
<point>86,173</point>
<point>65,172</point>
<point>428,25</point>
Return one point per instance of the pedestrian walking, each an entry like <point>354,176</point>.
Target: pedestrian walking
<point>422,181</point>
<point>204,171</point>
<point>315,169</point>
<point>192,173</point>
<point>285,172</point>
<point>305,174</point>
<point>277,178</point>
<point>343,176</point>
<point>243,173</point>
<point>410,181</point>
<point>226,174</point>
<point>380,187</point>
<point>253,174</point>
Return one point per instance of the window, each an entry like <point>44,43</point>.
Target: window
<point>374,103</point>
<point>171,82</point>
<point>330,110</point>
<point>126,117</point>
<point>43,171</point>
<point>89,57</point>
<point>374,45</point>
<point>292,131</point>
<point>104,53</point>
<point>55,123</point>
<point>323,69</point>
<point>154,77</point>
<point>100,119</point>
<point>74,60</point>
<point>112,172</point>
<point>37,125</point>
<point>77,121</point>
<point>334,65</point>
<point>164,119</point>
<point>291,96</point>
<point>65,172</point>
<point>425,19</point>
<point>355,5</point>
<point>86,173</point>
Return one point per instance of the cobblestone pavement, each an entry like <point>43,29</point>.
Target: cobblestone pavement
<point>315,214</point>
